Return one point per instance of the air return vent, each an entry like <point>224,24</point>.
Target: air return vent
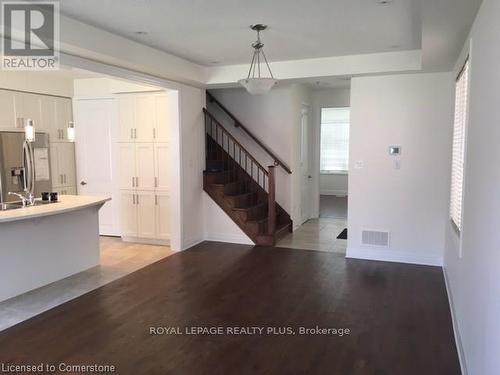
<point>375,238</point>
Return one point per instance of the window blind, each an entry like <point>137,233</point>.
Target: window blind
<point>459,134</point>
<point>334,155</point>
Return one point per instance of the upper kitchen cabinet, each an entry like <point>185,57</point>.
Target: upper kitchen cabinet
<point>8,112</point>
<point>161,123</point>
<point>126,117</point>
<point>49,117</point>
<point>143,117</point>
<point>32,109</point>
<point>64,115</point>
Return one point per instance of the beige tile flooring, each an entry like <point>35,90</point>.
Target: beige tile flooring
<point>317,234</point>
<point>117,260</point>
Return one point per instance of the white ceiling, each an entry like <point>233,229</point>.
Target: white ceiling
<point>215,32</point>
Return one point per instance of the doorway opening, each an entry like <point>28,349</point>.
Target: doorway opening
<point>324,177</point>
<point>334,163</point>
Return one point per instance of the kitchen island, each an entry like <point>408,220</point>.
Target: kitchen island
<point>47,242</point>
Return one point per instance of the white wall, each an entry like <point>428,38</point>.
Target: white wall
<point>474,278</point>
<point>106,87</point>
<point>192,151</point>
<point>275,119</point>
<point>328,184</point>
<point>416,112</point>
<point>38,82</point>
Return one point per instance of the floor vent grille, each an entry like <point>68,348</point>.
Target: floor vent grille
<point>375,238</point>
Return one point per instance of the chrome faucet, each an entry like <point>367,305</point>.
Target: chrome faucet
<point>27,199</point>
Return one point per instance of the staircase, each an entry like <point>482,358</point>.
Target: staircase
<point>242,187</point>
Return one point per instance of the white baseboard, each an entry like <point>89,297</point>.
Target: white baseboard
<point>146,241</point>
<point>190,243</point>
<point>386,255</point>
<point>342,193</point>
<point>456,330</point>
<point>221,237</point>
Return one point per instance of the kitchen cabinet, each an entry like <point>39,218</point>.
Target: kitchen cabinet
<point>126,152</point>
<point>64,114</point>
<point>162,215</point>
<point>62,164</point>
<point>161,163</point>
<point>8,112</point>
<point>145,214</point>
<point>126,118</point>
<point>145,118</point>
<point>161,121</point>
<point>137,168</point>
<point>69,190</point>
<point>145,202</point>
<point>144,165</point>
<point>32,109</point>
<point>128,214</point>
<point>49,117</point>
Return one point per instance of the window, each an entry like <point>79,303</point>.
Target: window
<point>334,140</point>
<point>459,133</point>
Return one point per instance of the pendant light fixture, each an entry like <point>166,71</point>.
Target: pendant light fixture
<point>255,83</point>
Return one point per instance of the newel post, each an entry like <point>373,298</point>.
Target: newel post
<point>271,209</point>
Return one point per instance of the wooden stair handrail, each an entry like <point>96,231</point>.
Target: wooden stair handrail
<point>249,155</point>
<point>238,124</point>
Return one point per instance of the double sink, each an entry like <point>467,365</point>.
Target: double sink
<point>15,205</point>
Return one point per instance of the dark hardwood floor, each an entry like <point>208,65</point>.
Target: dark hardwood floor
<point>398,316</point>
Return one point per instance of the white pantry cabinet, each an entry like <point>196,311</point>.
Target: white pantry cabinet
<point>161,128</point>
<point>145,215</point>
<point>161,164</point>
<point>144,172</point>
<point>62,164</point>
<point>137,168</point>
<point>145,202</point>
<point>128,214</point>
<point>162,211</point>
<point>143,117</point>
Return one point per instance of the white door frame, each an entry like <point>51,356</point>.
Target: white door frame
<point>176,215</point>
<point>305,110</point>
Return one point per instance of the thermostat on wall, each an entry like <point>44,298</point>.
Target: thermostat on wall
<point>394,150</point>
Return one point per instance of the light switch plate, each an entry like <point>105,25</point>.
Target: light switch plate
<point>359,164</point>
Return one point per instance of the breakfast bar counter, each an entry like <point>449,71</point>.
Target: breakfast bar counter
<point>44,243</point>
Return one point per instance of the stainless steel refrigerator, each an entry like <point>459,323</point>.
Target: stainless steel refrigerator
<point>24,167</point>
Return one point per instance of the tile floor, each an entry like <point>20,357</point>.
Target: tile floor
<point>117,260</point>
<point>321,234</point>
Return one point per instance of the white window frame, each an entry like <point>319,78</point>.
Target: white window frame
<point>332,172</point>
<point>456,218</point>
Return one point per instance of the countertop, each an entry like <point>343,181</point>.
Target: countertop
<point>66,203</point>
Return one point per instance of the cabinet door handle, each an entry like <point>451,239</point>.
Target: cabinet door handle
<point>137,182</point>
<point>137,198</point>
<point>133,181</point>
<point>154,133</point>
<point>156,182</point>
<point>131,133</point>
<point>133,198</point>
<point>156,200</point>
<point>61,179</point>
<point>65,181</point>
